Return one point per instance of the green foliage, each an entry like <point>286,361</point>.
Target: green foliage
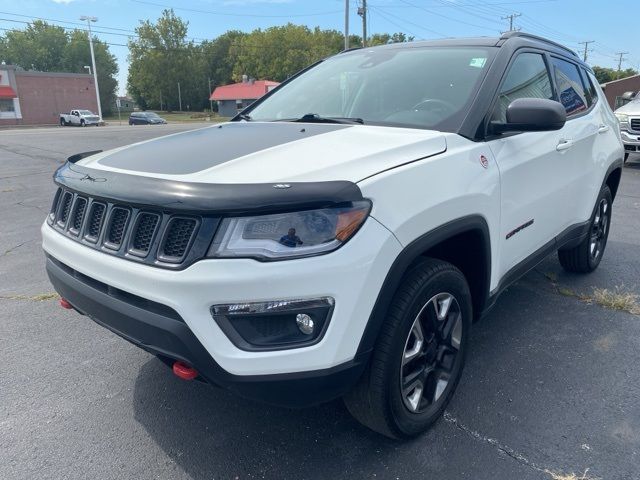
<point>604,75</point>
<point>49,48</point>
<point>161,56</point>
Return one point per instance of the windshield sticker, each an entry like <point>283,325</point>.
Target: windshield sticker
<point>478,62</point>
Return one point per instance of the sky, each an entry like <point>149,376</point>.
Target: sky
<point>609,24</point>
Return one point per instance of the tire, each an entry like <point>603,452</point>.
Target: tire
<point>62,122</point>
<point>626,157</point>
<point>82,124</point>
<point>387,397</point>
<point>585,257</point>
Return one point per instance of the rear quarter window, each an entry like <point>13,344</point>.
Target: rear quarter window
<point>571,89</point>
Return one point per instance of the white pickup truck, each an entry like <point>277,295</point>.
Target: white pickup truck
<point>79,117</point>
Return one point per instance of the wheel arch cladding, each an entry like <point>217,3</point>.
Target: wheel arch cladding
<point>613,180</point>
<point>464,242</point>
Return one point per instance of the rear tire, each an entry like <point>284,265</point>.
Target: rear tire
<point>62,122</point>
<point>585,257</point>
<point>419,354</point>
<point>82,124</point>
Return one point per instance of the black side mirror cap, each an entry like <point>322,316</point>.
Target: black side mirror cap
<point>532,115</point>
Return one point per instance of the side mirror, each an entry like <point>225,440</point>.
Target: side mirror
<point>532,115</point>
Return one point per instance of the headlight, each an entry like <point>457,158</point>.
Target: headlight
<point>289,235</point>
<point>622,118</point>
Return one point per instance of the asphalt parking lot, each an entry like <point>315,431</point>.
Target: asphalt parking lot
<point>551,387</point>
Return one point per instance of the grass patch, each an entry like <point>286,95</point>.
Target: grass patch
<point>617,299</point>
<point>176,117</point>
<point>570,476</point>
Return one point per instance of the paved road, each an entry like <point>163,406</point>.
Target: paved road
<point>552,382</point>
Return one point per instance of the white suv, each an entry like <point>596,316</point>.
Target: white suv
<point>339,236</point>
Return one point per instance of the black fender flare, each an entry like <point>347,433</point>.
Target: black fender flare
<point>408,256</point>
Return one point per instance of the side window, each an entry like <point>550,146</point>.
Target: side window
<point>590,90</point>
<point>527,78</point>
<point>570,87</point>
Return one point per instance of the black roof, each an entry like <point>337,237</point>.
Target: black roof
<point>519,39</point>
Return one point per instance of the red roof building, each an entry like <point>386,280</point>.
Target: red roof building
<point>233,98</point>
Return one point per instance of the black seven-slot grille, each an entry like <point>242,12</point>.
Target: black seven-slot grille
<point>160,238</point>
<point>635,124</point>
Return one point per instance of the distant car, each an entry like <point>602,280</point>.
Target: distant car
<point>145,118</point>
<point>81,118</point>
<point>629,119</point>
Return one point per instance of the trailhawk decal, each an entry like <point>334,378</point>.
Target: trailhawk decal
<point>520,228</point>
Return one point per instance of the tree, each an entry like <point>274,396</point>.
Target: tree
<point>39,46</point>
<point>604,75</point>
<point>160,59</point>
<point>77,54</point>
<point>384,38</point>
<point>49,48</point>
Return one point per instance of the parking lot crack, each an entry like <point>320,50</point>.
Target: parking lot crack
<point>510,452</point>
<point>493,442</point>
<point>15,247</point>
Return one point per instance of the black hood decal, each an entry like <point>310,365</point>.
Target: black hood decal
<point>198,150</point>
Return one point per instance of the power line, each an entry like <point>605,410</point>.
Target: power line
<point>445,16</point>
<point>386,15</point>
<point>255,15</point>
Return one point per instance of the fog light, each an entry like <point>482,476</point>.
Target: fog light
<point>305,323</point>
<point>275,324</point>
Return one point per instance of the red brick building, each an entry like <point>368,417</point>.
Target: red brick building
<point>37,98</point>
<point>615,89</point>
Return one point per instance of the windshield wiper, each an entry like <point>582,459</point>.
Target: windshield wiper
<point>244,116</point>
<point>315,118</point>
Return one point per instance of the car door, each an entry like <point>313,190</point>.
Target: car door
<point>74,117</point>
<point>584,124</point>
<point>533,178</point>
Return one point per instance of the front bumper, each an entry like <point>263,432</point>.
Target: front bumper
<point>163,333</point>
<point>352,275</point>
<point>631,141</point>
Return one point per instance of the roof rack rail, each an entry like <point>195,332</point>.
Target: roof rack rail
<point>508,35</point>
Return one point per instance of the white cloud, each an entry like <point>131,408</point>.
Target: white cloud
<point>65,2</point>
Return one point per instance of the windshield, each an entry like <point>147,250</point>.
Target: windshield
<point>423,87</point>
<point>85,112</point>
<point>151,114</point>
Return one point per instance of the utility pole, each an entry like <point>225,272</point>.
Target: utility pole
<point>586,45</point>
<point>511,18</point>
<point>362,11</point>
<point>620,59</point>
<point>346,24</point>
<point>210,101</point>
<point>93,59</point>
<point>179,97</point>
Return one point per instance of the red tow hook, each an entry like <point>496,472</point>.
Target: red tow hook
<point>65,304</point>
<point>184,371</point>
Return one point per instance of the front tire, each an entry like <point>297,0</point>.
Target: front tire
<point>585,257</point>
<point>419,355</point>
<point>82,124</point>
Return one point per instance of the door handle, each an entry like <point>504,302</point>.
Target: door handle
<point>564,145</point>
<point>603,129</point>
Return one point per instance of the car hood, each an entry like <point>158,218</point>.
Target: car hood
<point>631,108</point>
<point>266,152</point>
